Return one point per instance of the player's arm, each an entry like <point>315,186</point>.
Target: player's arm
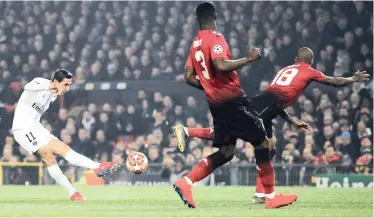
<point>219,51</point>
<point>296,123</point>
<point>221,64</point>
<point>359,76</point>
<point>191,78</point>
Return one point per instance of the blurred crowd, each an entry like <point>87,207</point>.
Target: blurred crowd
<point>150,40</point>
<point>111,41</point>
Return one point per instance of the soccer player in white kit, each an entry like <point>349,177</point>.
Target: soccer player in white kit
<point>31,135</point>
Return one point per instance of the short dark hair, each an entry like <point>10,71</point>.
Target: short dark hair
<point>61,74</point>
<point>205,11</point>
<point>305,54</point>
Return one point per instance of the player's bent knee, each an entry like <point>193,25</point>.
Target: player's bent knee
<point>47,156</point>
<point>266,144</point>
<point>272,142</point>
<point>262,155</point>
<point>50,161</point>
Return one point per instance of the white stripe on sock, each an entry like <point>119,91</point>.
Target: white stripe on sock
<point>271,196</point>
<point>260,195</point>
<point>188,180</point>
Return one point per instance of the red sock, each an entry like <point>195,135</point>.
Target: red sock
<point>206,166</point>
<point>203,133</point>
<point>266,175</point>
<point>201,170</point>
<point>259,186</point>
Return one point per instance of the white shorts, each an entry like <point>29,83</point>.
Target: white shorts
<point>33,137</point>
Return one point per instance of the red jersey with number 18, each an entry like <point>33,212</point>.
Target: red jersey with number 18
<point>291,81</point>
<point>219,86</point>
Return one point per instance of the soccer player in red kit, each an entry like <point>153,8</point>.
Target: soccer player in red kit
<point>233,116</point>
<point>285,88</point>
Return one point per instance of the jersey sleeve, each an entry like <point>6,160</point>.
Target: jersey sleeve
<point>317,75</point>
<point>37,84</point>
<point>218,48</point>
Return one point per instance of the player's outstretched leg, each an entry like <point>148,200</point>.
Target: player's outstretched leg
<point>266,174</point>
<point>202,133</point>
<point>101,169</point>
<point>56,173</point>
<point>205,167</point>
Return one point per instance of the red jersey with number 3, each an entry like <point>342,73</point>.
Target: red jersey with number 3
<point>219,87</point>
<point>291,81</point>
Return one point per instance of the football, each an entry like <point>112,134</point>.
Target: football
<point>137,163</point>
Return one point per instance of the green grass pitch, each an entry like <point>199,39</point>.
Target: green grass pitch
<point>124,201</point>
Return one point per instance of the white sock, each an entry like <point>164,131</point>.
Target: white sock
<point>61,179</point>
<point>185,130</point>
<point>188,180</point>
<point>271,196</point>
<point>80,160</point>
<point>260,195</point>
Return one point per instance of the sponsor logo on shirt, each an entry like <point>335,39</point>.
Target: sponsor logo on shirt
<point>40,110</point>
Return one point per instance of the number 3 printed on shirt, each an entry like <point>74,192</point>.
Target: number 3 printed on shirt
<point>199,56</point>
<point>285,77</point>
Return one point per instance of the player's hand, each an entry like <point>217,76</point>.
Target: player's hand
<point>302,125</point>
<point>360,76</point>
<point>255,54</point>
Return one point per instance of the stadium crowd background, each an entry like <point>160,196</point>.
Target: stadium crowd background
<point>114,41</point>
